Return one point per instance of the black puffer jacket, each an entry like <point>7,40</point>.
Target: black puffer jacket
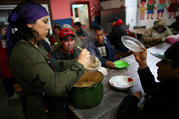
<point>162,102</point>
<point>115,37</point>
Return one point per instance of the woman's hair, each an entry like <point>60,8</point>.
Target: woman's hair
<point>77,24</point>
<point>26,12</point>
<point>24,33</point>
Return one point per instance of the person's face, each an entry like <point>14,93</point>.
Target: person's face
<point>3,31</point>
<point>143,3</point>
<point>56,31</point>
<point>160,28</point>
<point>41,26</point>
<point>166,71</point>
<point>76,28</point>
<point>68,43</point>
<point>162,1</point>
<point>151,2</point>
<point>99,36</point>
<point>113,23</point>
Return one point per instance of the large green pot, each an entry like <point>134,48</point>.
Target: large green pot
<point>87,96</point>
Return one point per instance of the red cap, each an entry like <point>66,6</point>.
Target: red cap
<point>66,32</point>
<point>119,22</point>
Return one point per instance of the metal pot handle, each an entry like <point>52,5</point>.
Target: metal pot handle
<point>94,86</point>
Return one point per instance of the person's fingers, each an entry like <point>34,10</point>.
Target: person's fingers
<point>135,54</point>
<point>138,94</point>
<point>143,49</point>
<point>112,65</point>
<point>86,51</point>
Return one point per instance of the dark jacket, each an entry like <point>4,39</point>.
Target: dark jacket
<point>59,54</point>
<point>109,51</point>
<point>115,37</point>
<point>162,101</point>
<point>81,32</point>
<point>175,26</point>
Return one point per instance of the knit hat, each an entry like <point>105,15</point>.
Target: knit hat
<point>170,54</point>
<point>160,22</point>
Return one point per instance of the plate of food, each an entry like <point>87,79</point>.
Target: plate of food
<point>132,43</point>
<point>121,82</point>
<point>120,64</point>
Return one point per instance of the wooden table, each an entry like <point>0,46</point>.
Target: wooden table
<point>108,107</point>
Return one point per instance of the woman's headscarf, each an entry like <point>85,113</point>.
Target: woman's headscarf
<point>26,12</point>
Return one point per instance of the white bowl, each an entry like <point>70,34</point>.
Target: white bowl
<point>93,65</point>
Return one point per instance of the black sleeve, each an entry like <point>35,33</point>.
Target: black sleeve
<point>128,108</point>
<point>111,37</point>
<point>45,45</point>
<point>172,25</point>
<point>147,79</point>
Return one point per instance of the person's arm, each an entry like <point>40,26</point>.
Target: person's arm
<point>56,83</point>
<point>65,64</point>
<point>146,77</point>
<point>34,74</point>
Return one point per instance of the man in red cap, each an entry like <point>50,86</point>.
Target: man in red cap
<point>66,49</point>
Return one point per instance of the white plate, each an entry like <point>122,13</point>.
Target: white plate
<point>132,43</point>
<point>121,82</point>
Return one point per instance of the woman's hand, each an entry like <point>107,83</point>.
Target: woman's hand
<point>84,57</point>
<point>141,57</point>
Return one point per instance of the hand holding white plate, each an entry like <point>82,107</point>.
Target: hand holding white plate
<point>121,82</point>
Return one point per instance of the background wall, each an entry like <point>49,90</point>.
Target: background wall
<point>61,10</point>
<point>149,22</point>
<point>131,12</point>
